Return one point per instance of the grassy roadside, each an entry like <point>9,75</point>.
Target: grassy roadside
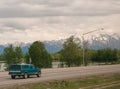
<point>101,82</point>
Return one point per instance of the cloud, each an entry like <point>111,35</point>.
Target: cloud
<point>30,20</point>
<point>41,8</point>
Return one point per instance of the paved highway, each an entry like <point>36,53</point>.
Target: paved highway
<point>59,74</point>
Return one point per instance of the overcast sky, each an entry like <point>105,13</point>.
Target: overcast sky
<point>31,20</point>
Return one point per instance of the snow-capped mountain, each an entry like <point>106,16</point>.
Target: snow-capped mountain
<point>51,46</point>
<point>54,46</point>
<point>105,41</point>
<point>99,41</point>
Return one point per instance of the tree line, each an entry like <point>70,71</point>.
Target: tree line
<point>71,54</point>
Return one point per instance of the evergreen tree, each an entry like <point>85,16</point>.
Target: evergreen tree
<point>71,52</point>
<point>18,55</point>
<point>105,55</point>
<point>12,55</point>
<point>27,58</point>
<point>39,55</point>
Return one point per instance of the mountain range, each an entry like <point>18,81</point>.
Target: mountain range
<point>95,42</point>
<point>51,46</point>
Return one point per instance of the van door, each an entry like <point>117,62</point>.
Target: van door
<point>32,69</point>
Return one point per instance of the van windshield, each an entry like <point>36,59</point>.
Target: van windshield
<point>15,67</point>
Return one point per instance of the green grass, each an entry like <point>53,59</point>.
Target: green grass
<point>81,83</point>
<point>113,87</point>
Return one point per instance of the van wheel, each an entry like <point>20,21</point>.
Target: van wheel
<point>13,76</point>
<point>39,74</point>
<point>25,76</point>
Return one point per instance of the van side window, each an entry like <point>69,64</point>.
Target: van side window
<point>25,66</point>
<point>31,67</point>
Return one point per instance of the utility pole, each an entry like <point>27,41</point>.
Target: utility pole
<point>83,42</point>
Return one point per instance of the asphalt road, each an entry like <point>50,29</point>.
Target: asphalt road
<point>60,74</point>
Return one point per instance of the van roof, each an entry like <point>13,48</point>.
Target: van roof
<point>22,64</point>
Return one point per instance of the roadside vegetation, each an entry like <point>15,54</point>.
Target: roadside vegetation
<point>71,55</point>
<point>101,82</point>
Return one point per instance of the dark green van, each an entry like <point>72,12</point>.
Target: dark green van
<point>24,70</point>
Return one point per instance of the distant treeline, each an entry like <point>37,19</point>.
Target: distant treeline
<point>71,54</point>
